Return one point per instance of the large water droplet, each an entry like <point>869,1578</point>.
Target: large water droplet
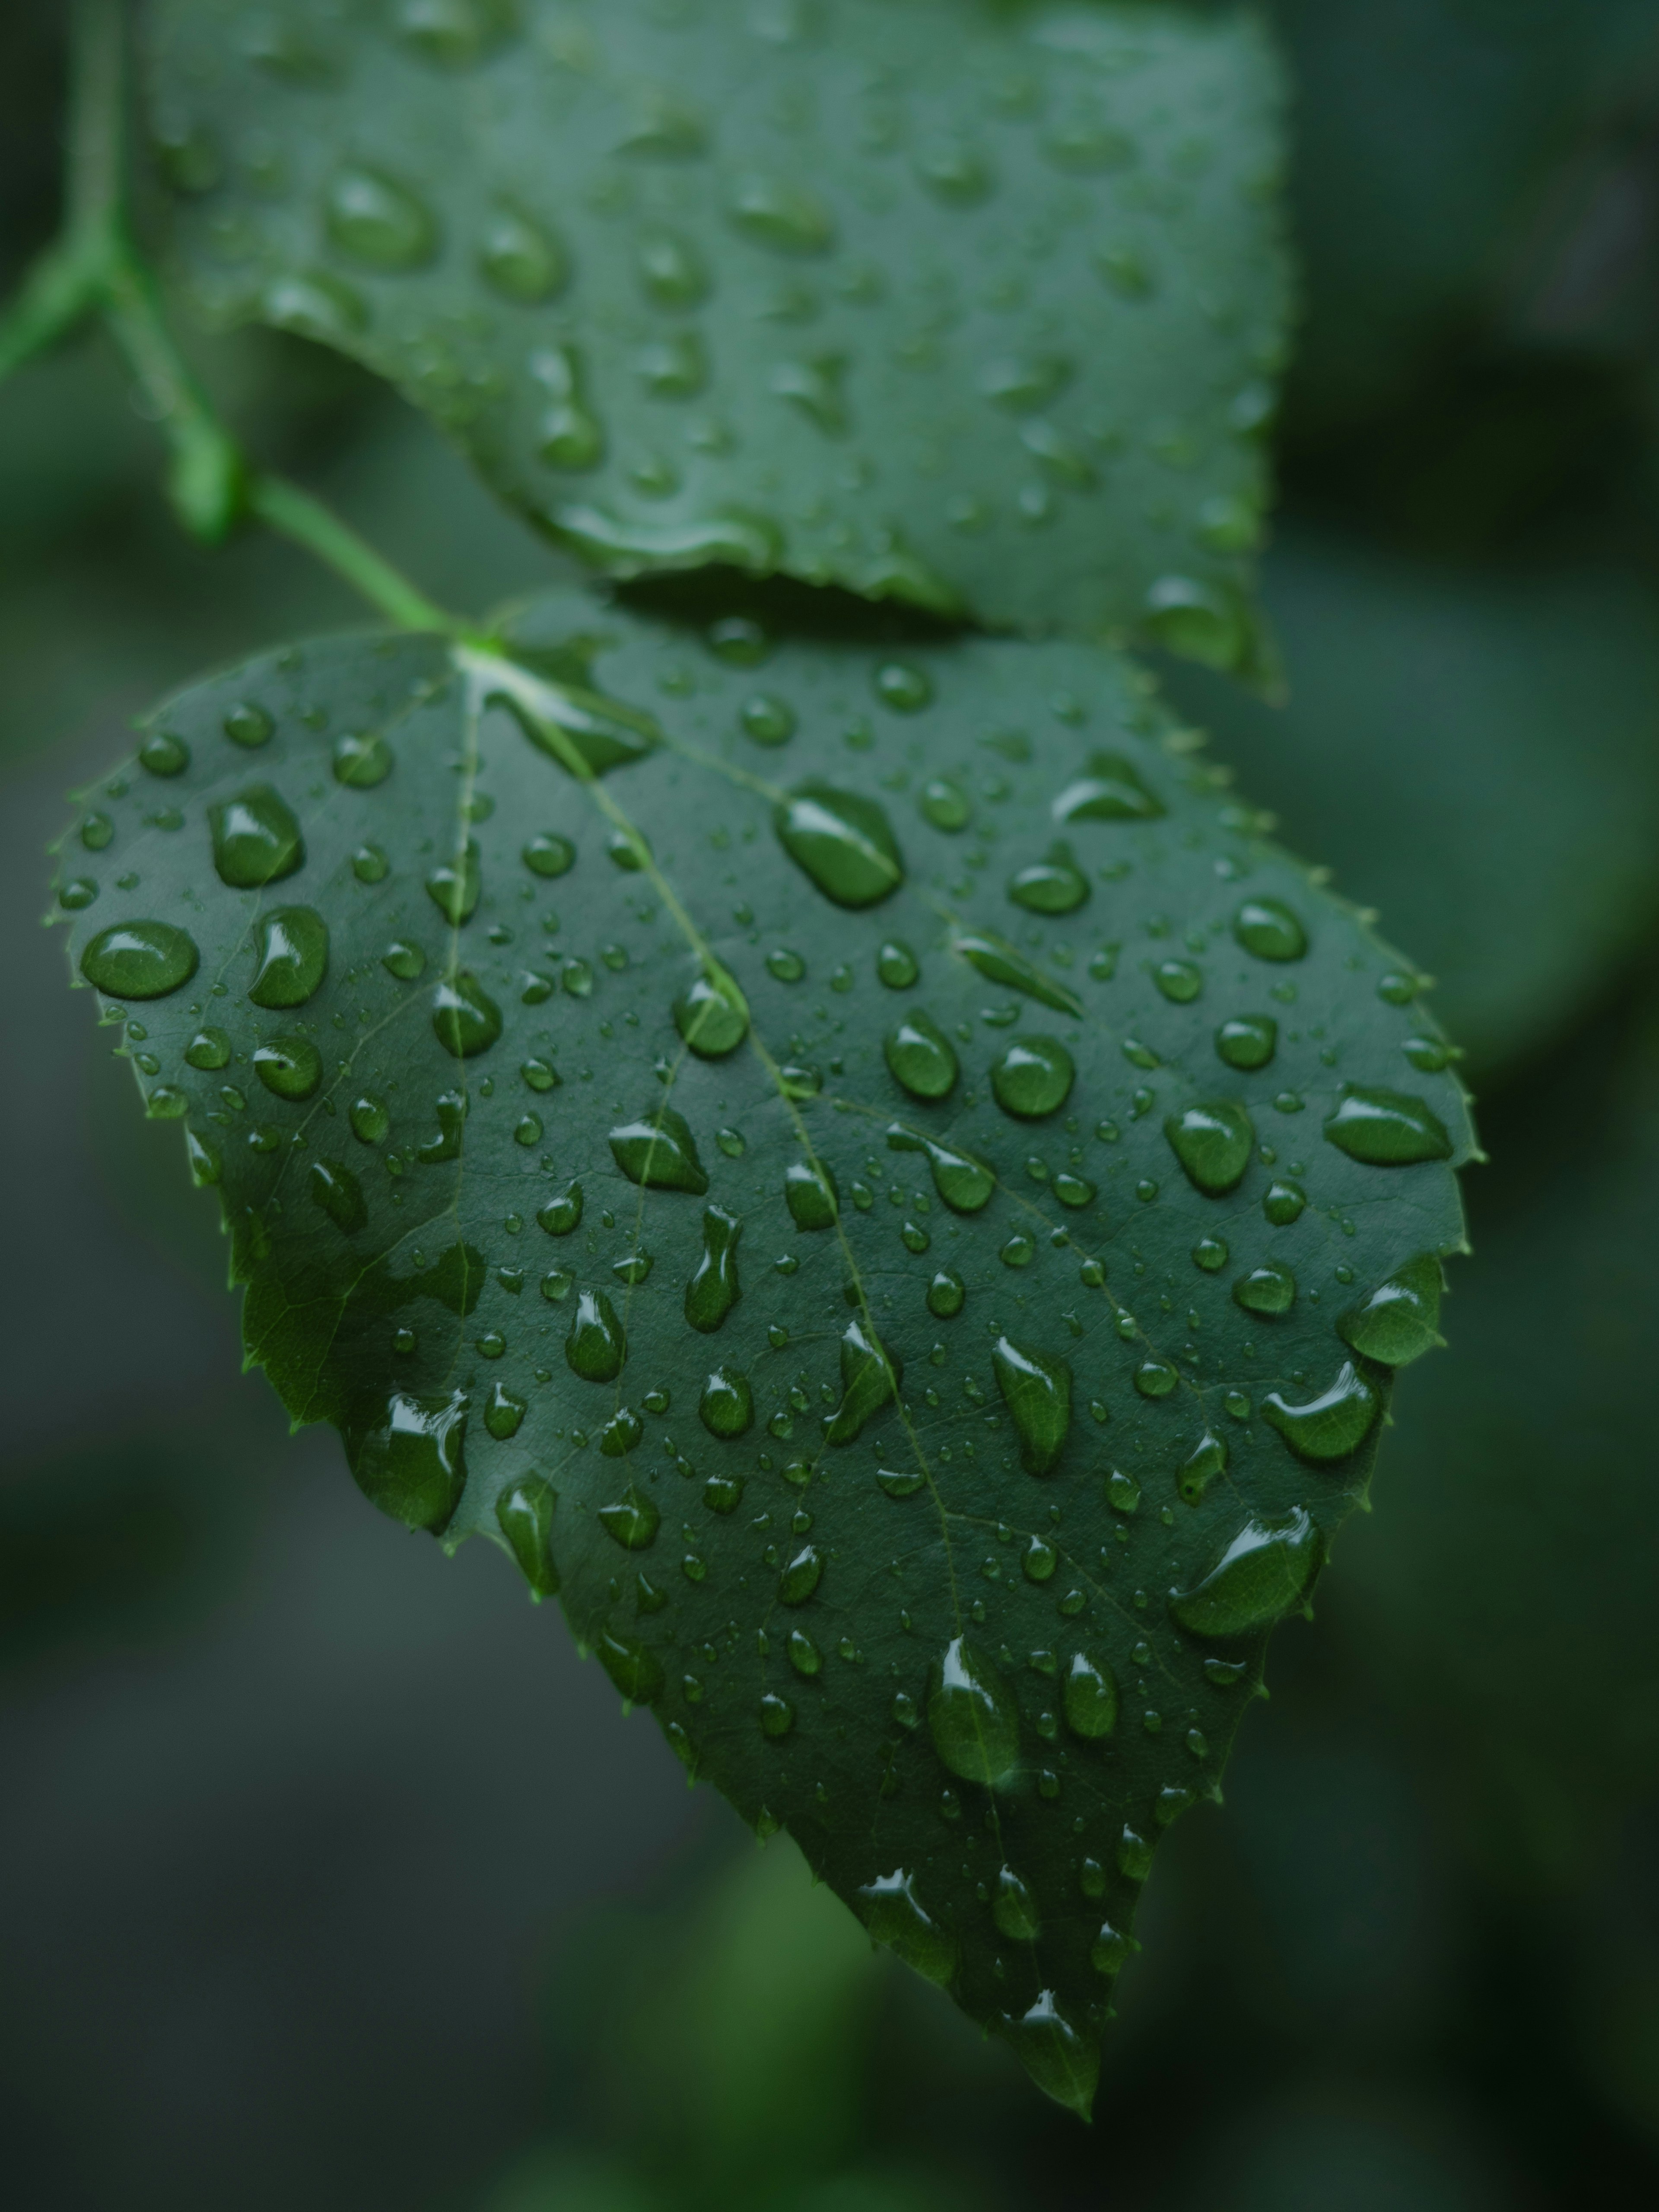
<point>810,1192</point>
<point>520,258</point>
<point>713,1290</point>
<point>920,1056</point>
<point>660,1152</point>
<point>1269,1290</point>
<point>631,1668</point>
<point>1248,1041</point>
<point>596,1346</point>
<point>1111,791</point>
<point>465,1020</point>
<point>1331,1425</point>
<point>289,1067</point>
<point>1267,927</point>
<point>256,839</point>
<point>896,965</point>
<point>999,961</point>
<point>1206,1459</point>
<point>164,753</point>
<point>291,957</point>
<point>1400,1321</point>
<point>801,1576</point>
<point>362,759</point>
<point>408,1458</point>
<point>1387,1129</point>
<point>1053,886</point>
<point>712,1015</point>
<point>454,884</point>
<point>1063,2064</point>
<point>140,959</point>
<point>972,1715</point>
<point>843,843</point>
<point>1212,1143</point>
<point>1013,1908</point>
<point>784,217</point>
<point>335,1191</point>
<point>869,1381</point>
<point>1091,1696</point>
<point>1037,1391</point>
<point>1033,1077</point>
<point>524,1512</point>
<point>549,854</point>
<point>568,434</point>
<point>894,1916</point>
<point>632,1522</point>
<point>247,724</point>
<point>1263,1573</point>
<point>964,1182</point>
<point>377,221</point>
<point>563,1211</point>
<point>727,1408</point>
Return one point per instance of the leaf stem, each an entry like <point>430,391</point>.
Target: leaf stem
<point>305,521</point>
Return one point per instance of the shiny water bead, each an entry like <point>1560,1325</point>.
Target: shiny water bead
<point>96,832</point>
<point>1248,1041</point>
<point>405,961</point>
<point>1210,1253</point>
<point>1073,1190</point>
<point>454,885</point>
<point>971,1715</point>
<point>77,894</point>
<point>738,641</point>
<point>777,1715</point>
<point>140,959</point>
<point>1053,886</point>
<point>787,966</point>
<point>784,216</point>
<point>1283,1203</point>
<point>904,687</point>
<point>632,1520</point>
<point>465,1020</point>
<point>290,957</point>
<point>548,854</point>
<point>1122,1492</point>
<point>1110,1949</point>
<point>1090,1696</point>
<point>658,1152</point>
<point>596,1346</point>
<point>892,1913</point>
<point>1264,1573</point>
<point>504,1414</point>
<point>362,759</point>
<point>803,1654</point>
<point>1269,1290</point>
<point>944,803</point>
<point>1001,963</point>
<point>1269,929</point>
<point>1212,1143</point>
<point>369,1119</point>
<point>289,1068</point>
<point>1013,1908</point>
<point>964,1182</point>
<point>631,1668</point>
<point>409,1459</point>
<point>1179,980</point>
<point>1331,1425</point>
<point>946,1295</point>
<point>370,864</point>
<point>377,221</point>
<point>896,965</point>
<point>801,1577</point>
<point>1206,1459</point>
<point>334,1190</point>
<point>164,754</point>
<point>524,1513</point>
<point>712,1013</point>
<point>671,271</point>
<point>520,258</point>
<point>920,1056</point>
<point>568,435</point>
<point>1400,1319</point>
<point>811,1194</point>
<point>842,843</point>
<point>768,720</point>
<point>714,1289</point>
<point>727,1407</point>
<point>900,1482</point>
<point>869,1381</point>
<point>1156,1378</point>
<point>563,1211</point>
<point>538,1075</point>
<point>1110,791</point>
<point>247,724</point>
<point>1037,1389</point>
<point>1064,2064</point>
<point>207,1049</point>
<point>1387,1128</point>
<point>1033,1078</point>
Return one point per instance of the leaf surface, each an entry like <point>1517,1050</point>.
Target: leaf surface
<point>850,1160</point>
<point>973,307</point>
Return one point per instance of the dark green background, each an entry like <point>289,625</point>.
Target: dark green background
<point>330,1875</point>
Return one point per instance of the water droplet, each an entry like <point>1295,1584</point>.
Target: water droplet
<point>784,216</point>
<point>163,754</point>
<point>777,1715</point>
<point>769,719</point>
<point>1063,2064</point>
<point>549,854</point>
<point>1283,1203</point>
<point>596,1346</point>
<point>900,1482</point>
<point>893,1914</point>
<point>291,1067</point>
<point>1111,791</point>
<point>1110,1949</point>
<point>362,759</point>
<point>999,961</point>
<point>1090,1696</point>
<point>1053,886</point>
<point>563,1212</point>
<point>869,1381</point>
<point>803,1654</point>
<point>140,959</point>
<point>408,1457</point>
<point>1269,1289</point>
<point>406,961</point>
<point>504,1414</point>
<point>1156,1378</point>
<point>1180,981</point>
<point>954,172</point>
<point>946,1295</point>
<point>844,843</point>
<point>1033,1077</point>
<point>1267,927</point>
<point>1037,1392</point>
<point>568,435</point>
<point>291,958</point>
<point>1122,1493</point>
<point>465,1020</point>
<point>1331,1425</point>
<point>964,1182</point>
<point>248,724</point>
<point>632,1522</point>
<point>1206,1459</point>
<point>454,884</point>
<point>1210,1254</point>
<point>256,839</point>
<point>369,865</point>
<point>525,1512</point>
<point>1201,622</point>
<point>520,258</point>
<point>1264,1572</point>
<point>727,1408</point>
<point>714,1289</point>
<point>1248,1041</point>
<point>1013,1908</point>
<point>658,1152</point>
<point>712,1014</point>
<point>801,1576</point>
<point>1400,1321</point>
<point>944,803</point>
<point>378,223</point>
<point>1387,1129</point>
<point>633,1669</point>
<point>896,965</point>
<point>1212,1143</point>
<point>335,1191</point>
<point>810,1192</point>
<point>671,270</point>
<point>207,1049</point>
<point>972,1715</point>
<point>920,1056</point>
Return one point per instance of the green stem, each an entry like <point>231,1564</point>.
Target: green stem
<point>293,513</point>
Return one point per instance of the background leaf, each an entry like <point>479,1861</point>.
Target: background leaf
<point>974,308</point>
<point>495,1278</point>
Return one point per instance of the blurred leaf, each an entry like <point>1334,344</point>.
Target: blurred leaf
<point>1474,752</point>
<point>327,900</point>
<point>962,305</point>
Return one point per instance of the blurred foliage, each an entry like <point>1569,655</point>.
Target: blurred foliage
<point>264,1941</point>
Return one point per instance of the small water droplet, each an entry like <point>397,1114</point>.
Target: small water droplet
<point>247,724</point>
<point>1033,1077</point>
<point>1283,1203</point>
<point>944,803</point>
<point>727,1408</point>
<point>964,1184</point>
<point>810,1192</point>
<point>658,1152</point>
<point>362,759</point>
<point>523,1511</point>
<point>1248,1041</point>
<point>379,222</point>
<point>785,217</point>
<point>548,854</point>
<point>1269,1289</point>
<point>1110,791</point>
<point>1090,1696</point>
<point>256,839</point>
<point>946,1295</point>
<point>869,1381</point>
<point>920,1056</point>
<point>1387,1128</point>
<point>520,258</point>
<point>164,754</point>
<point>714,1289</point>
<point>596,1346</point>
<point>1037,1392</point>
<point>631,1668</point>
<point>454,884</point>
<point>1267,927</point>
<point>1053,886</point>
<point>632,1520</point>
<point>1212,1143</point>
<point>465,1020</point>
<point>972,1715</point>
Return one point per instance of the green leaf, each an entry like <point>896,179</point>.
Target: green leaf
<point>928,1453</point>
<point>971,307</point>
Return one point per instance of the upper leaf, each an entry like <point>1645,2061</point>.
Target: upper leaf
<point>970,306</point>
<point>855,1164</point>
